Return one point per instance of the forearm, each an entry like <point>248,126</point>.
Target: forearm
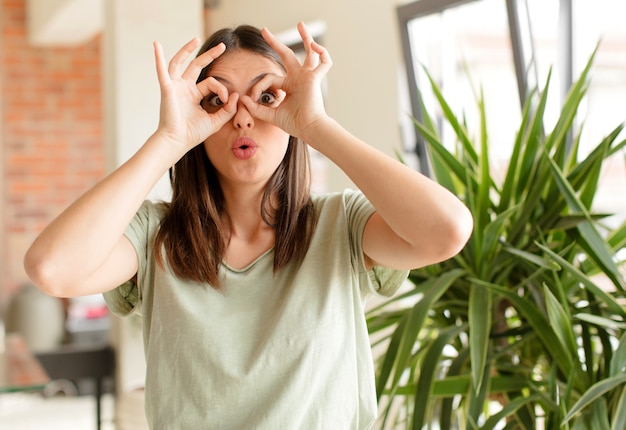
<point>417,209</point>
<point>82,237</point>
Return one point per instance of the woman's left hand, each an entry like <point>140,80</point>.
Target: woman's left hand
<point>299,104</point>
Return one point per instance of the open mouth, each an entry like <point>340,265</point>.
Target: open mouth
<point>244,148</point>
<point>244,142</point>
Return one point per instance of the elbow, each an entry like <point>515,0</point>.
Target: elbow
<point>453,233</point>
<point>42,273</point>
<point>446,239</point>
<point>460,228</point>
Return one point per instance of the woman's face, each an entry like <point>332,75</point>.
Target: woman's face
<point>246,150</point>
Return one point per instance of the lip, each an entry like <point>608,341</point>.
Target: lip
<point>244,147</point>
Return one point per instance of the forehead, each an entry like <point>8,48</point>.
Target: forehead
<point>241,64</point>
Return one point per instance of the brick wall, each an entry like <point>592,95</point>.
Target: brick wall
<point>51,134</point>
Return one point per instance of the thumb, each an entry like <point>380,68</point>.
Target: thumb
<point>227,112</point>
<point>259,111</point>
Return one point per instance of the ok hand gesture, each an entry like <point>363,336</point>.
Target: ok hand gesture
<point>302,105</point>
<point>182,120</point>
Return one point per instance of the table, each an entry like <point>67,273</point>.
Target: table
<point>19,368</point>
<point>74,362</point>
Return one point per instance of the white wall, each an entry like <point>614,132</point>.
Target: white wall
<point>2,209</point>
<point>362,37</point>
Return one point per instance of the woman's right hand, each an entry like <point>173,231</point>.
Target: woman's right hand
<point>183,122</point>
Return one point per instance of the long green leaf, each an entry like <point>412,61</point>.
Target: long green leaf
<point>477,399</point>
<point>618,362</point>
<point>397,357</point>
<point>571,104</point>
<point>452,120</point>
<point>491,240</point>
<point>449,164</point>
<point>599,251</point>
<point>429,369</point>
<point>533,137</point>
<point>447,407</point>
<point>483,202</point>
<point>612,305</point>
<point>561,323</point>
<point>506,195</point>
<point>389,360</point>
<point>594,392</point>
<point>617,238</point>
<point>599,415</point>
<point>509,409</point>
<point>589,170</point>
<point>439,167</point>
<point>584,177</point>
<point>538,260</point>
<point>539,323</point>
<point>599,321</point>
<point>480,311</point>
<point>619,417</point>
<point>456,385</point>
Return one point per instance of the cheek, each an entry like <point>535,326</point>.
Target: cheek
<point>281,149</point>
<point>281,138</point>
<point>212,143</point>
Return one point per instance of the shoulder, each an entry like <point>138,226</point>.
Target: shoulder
<point>153,209</point>
<point>146,222</point>
<point>345,211</point>
<point>338,200</point>
<point>150,214</point>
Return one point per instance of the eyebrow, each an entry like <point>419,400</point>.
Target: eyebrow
<point>252,82</point>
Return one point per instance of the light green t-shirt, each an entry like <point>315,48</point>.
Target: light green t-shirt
<point>288,350</point>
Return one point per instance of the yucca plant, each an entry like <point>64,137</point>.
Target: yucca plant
<point>526,327</point>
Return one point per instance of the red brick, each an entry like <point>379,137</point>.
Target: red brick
<point>51,132</point>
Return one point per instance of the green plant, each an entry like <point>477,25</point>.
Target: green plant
<point>519,330</point>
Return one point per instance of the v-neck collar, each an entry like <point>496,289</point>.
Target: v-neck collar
<point>249,266</point>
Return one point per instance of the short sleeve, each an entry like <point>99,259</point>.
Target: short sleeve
<point>381,281</point>
<point>126,298</point>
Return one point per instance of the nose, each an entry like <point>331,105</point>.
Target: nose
<point>242,118</point>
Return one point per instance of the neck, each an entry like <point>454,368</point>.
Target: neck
<point>243,207</point>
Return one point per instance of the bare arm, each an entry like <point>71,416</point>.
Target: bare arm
<point>417,222</point>
<point>83,251</point>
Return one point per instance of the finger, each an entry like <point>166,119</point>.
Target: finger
<point>161,67</point>
<point>211,85</point>
<point>280,97</point>
<point>227,112</point>
<point>287,55</point>
<point>311,59</point>
<point>178,60</point>
<point>269,81</point>
<point>201,61</point>
<point>259,111</point>
<point>325,61</point>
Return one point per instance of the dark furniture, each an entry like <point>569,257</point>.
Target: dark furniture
<point>76,362</point>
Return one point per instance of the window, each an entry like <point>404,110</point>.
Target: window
<point>508,48</point>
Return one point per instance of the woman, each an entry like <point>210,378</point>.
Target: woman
<point>251,290</point>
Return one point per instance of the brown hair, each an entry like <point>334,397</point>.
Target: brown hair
<point>194,231</point>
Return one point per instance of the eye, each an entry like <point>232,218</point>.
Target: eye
<point>214,101</point>
<point>267,98</point>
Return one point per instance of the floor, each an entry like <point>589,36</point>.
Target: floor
<point>23,411</point>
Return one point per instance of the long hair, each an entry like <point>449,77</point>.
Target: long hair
<point>194,233</point>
